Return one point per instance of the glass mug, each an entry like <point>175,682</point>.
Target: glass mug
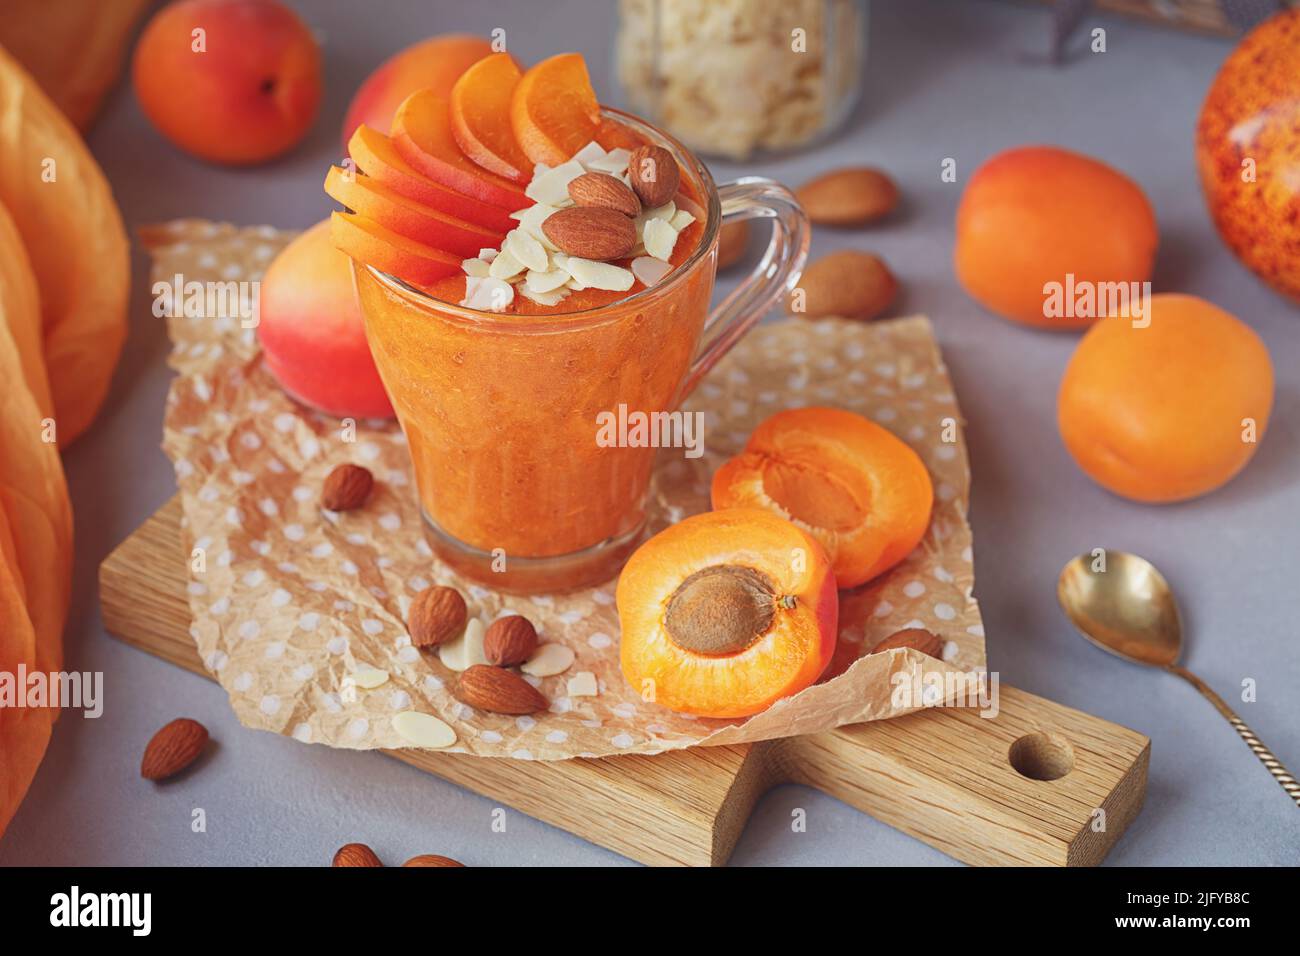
<point>501,412</point>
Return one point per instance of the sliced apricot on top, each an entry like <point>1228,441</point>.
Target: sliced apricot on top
<point>855,487</point>
<point>375,154</point>
<point>725,613</point>
<point>368,242</point>
<point>554,110</point>
<point>406,216</point>
<point>480,117</point>
<point>422,134</point>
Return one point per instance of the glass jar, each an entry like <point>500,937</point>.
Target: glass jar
<point>732,78</point>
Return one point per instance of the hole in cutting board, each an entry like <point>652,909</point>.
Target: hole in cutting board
<point>1042,756</point>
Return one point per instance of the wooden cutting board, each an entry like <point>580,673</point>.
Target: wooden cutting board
<point>943,775</point>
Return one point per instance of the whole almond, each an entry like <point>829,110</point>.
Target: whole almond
<point>848,197</point>
<point>917,638</point>
<point>499,691</point>
<point>510,641</point>
<point>173,748</point>
<point>855,285</point>
<point>604,192</point>
<point>591,232</point>
<point>733,240</point>
<point>346,487</point>
<point>654,175</point>
<point>437,615</point>
<point>355,854</point>
<point>432,859</point>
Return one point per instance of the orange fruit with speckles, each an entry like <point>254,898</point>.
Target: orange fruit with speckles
<point>1248,151</point>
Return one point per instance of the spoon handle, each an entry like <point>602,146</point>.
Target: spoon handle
<point>1274,766</point>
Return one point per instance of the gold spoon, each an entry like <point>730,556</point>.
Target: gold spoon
<point>1122,604</point>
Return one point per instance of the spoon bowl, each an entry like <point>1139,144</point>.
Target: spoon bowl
<point>1122,604</point>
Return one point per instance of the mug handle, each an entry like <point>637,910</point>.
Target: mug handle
<point>754,197</point>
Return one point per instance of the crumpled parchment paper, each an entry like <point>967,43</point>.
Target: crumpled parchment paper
<point>288,600</point>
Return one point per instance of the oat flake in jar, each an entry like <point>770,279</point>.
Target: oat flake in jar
<point>733,78</point>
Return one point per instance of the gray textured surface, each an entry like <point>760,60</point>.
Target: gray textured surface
<point>943,80</point>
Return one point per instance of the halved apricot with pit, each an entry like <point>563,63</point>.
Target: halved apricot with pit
<point>554,111</point>
<point>855,487</point>
<point>727,612</point>
<point>480,117</point>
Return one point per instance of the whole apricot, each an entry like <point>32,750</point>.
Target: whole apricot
<point>230,81</point>
<point>1036,218</point>
<point>1248,151</point>
<point>1168,410</point>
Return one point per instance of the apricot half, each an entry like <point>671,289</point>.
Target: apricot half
<point>851,484</point>
<point>725,613</point>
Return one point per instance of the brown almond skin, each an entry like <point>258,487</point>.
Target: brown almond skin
<point>432,859</point>
<point>499,691</point>
<point>916,638</point>
<point>733,240</point>
<point>654,175</point>
<point>346,487</point>
<point>605,192</point>
<point>848,197</point>
<point>510,641</point>
<point>173,748</point>
<point>355,854</point>
<point>590,232</point>
<point>437,615</point>
<point>855,285</point>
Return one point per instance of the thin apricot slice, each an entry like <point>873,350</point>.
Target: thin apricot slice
<point>408,217</point>
<point>422,134</point>
<point>368,242</point>
<point>727,612</point>
<point>860,491</point>
<point>375,154</point>
<point>554,111</point>
<point>480,117</point>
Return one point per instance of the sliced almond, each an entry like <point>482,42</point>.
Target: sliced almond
<point>614,162</point>
<point>650,270</point>
<point>681,219</point>
<point>487,295</point>
<point>526,250</point>
<point>583,684</point>
<point>487,255</point>
<point>666,211</point>
<point>478,268</point>
<point>552,186</point>
<point>423,730</point>
<point>548,660</point>
<point>554,297</point>
<point>505,266</point>
<point>593,152</point>
<point>659,238</point>
<point>545,281</point>
<point>467,650</point>
<point>600,275</point>
<point>368,678</point>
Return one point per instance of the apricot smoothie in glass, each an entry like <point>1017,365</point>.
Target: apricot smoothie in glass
<point>529,264</point>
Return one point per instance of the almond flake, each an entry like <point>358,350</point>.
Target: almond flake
<point>589,154</point>
<point>545,281</point>
<point>478,268</point>
<point>539,168</point>
<point>548,660</point>
<point>487,255</point>
<point>423,730</point>
<point>659,238</point>
<point>600,275</point>
<point>552,186</point>
<point>531,219</point>
<point>526,250</point>
<point>488,295</point>
<point>554,297</point>
<point>681,219</point>
<point>583,684</point>
<point>614,162</point>
<point>666,211</point>
<point>505,266</point>
<point>466,650</point>
<point>687,204</point>
<point>369,678</point>
<point>649,270</point>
